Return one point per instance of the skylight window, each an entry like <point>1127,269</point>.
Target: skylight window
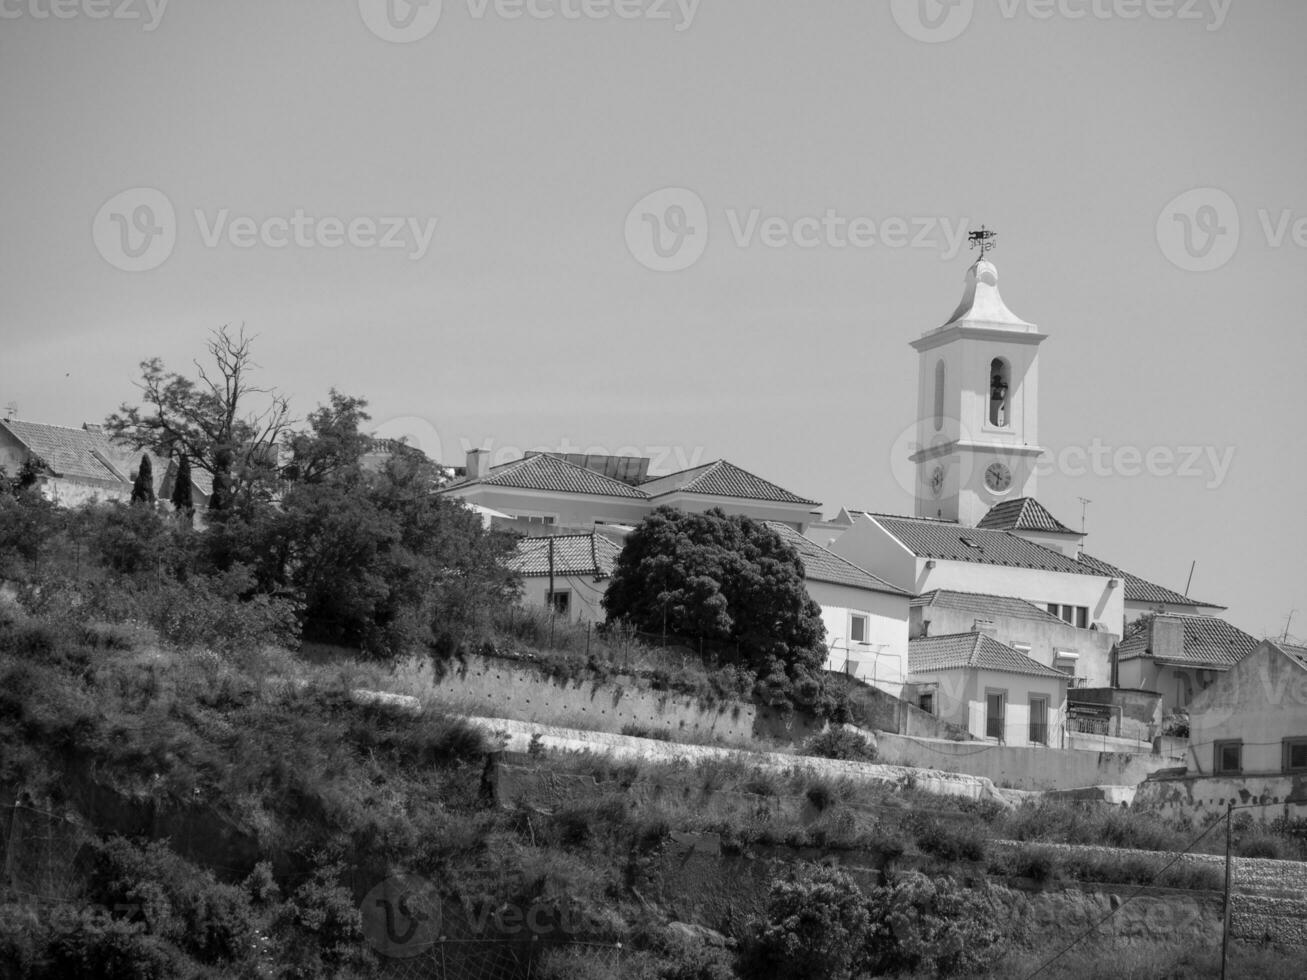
<point>971,544</point>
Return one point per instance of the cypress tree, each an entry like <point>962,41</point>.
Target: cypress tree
<point>143,488</point>
<point>181,488</point>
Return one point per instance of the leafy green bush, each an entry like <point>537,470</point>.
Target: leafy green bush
<point>930,926</point>
<point>838,742</point>
<point>948,841</point>
<point>817,927</point>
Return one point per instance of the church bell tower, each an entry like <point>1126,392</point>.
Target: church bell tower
<point>977,403</point>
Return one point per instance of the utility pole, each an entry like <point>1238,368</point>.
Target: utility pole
<point>1225,923</point>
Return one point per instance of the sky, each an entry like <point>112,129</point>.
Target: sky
<point>694,230</point>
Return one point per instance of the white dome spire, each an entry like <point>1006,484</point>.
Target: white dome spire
<point>982,304</point>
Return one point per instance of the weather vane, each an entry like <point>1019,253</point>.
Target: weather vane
<point>982,239</point>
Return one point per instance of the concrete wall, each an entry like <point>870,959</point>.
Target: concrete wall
<point>877,710</point>
<point>1030,768</point>
<point>1201,796</point>
<point>1132,713</point>
<point>1178,686</point>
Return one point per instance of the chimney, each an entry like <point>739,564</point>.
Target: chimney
<point>985,626</point>
<point>478,463</point>
<point>1167,641</point>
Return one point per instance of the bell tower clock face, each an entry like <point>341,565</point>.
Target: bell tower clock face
<point>998,478</point>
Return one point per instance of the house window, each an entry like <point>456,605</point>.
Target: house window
<point>1039,721</point>
<point>1229,757</point>
<point>1295,755</point>
<point>858,628</point>
<point>1077,616</point>
<point>939,395</point>
<point>537,518</point>
<point>561,602</point>
<point>926,702</point>
<point>1000,377</point>
<point>995,710</point>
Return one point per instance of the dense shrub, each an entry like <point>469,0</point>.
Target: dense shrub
<point>930,926</point>
<point>838,742</point>
<point>817,927</point>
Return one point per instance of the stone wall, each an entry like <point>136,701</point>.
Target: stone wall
<point>1264,797</point>
<point>504,687</point>
<point>879,711</point>
<point>1023,767</point>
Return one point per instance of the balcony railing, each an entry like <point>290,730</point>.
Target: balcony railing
<point>1039,733</point>
<point>994,728</point>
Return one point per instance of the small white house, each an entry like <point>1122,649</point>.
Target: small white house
<point>1179,656</point>
<point>992,690</point>
<point>866,617</point>
<point>567,573</point>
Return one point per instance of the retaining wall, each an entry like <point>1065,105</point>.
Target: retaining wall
<point>1022,767</point>
<point>1266,797</point>
<point>500,686</point>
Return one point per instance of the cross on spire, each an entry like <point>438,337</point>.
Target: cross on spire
<point>982,239</point>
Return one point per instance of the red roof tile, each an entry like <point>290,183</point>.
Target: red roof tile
<point>1023,514</point>
<point>545,472</point>
<point>1208,642</point>
<point>821,565</point>
<point>722,479</point>
<point>962,651</point>
<point>574,554</point>
<point>949,541</point>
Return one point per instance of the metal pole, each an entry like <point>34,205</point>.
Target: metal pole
<point>549,601</point>
<point>1225,923</point>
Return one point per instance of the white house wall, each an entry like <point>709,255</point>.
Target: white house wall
<point>960,699</point>
<point>587,594</point>
<point>882,660</point>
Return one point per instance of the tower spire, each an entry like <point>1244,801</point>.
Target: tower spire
<point>983,239</point>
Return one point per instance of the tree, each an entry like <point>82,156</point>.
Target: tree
<point>143,486</point>
<point>816,928</point>
<point>728,581</point>
<point>182,498</point>
<point>211,420</point>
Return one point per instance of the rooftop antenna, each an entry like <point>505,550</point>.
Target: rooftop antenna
<point>1084,507</point>
<point>11,409</point>
<point>1192,566</point>
<point>1284,637</point>
<point>982,239</point>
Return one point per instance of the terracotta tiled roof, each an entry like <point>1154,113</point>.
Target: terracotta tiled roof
<point>574,554</point>
<point>1023,514</point>
<point>987,605</point>
<point>722,479</point>
<point>961,651</point>
<point>544,472</point>
<point>1138,589</point>
<point>70,453</point>
<point>1298,653</point>
<point>949,541</point>
<point>821,565</point>
<point>1208,642</point>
